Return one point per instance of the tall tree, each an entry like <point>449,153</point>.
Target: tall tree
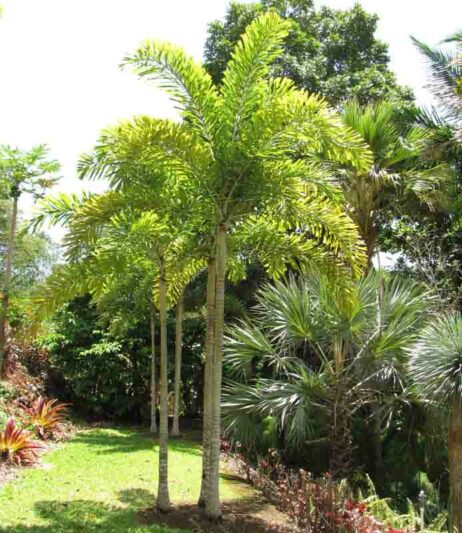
<point>153,241</point>
<point>178,363</point>
<point>235,150</point>
<point>328,51</point>
<point>22,171</point>
<point>436,369</point>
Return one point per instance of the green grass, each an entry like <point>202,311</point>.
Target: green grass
<point>98,482</point>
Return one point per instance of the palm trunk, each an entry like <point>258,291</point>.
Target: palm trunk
<point>377,446</point>
<point>7,282</point>
<point>455,465</point>
<point>178,349</point>
<point>341,435</point>
<point>213,508</point>
<point>153,370</point>
<point>208,377</point>
<point>163,499</point>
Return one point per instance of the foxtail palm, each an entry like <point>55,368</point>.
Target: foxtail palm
<point>436,370</point>
<point>110,231</point>
<point>236,149</point>
<point>178,362</point>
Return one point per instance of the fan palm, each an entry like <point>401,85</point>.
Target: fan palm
<point>397,171</point>
<point>236,148</point>
<point>436,370</point>
<point>323,345</point>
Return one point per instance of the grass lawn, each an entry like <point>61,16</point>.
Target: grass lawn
<point>99,482</point>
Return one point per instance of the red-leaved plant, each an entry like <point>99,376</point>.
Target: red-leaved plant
<point>46,416</point>
<point>315,506</point>
<point>17,446</point>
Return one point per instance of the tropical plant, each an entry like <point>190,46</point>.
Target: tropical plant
<point>399,170</point>
<point>22,172</point>
<point>46,416</point>
<point>234,154</point>
<point>17,446</point>
<point>323,350</point>
<point>156,244</point>
<point>445,68</point>
<point>436,370</point>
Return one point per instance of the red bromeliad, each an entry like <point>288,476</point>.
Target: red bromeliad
<point>46,416</point>
<point>17,446</point>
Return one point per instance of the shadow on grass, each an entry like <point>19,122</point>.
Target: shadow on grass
<point>127,441</point>
<point>138,514</point>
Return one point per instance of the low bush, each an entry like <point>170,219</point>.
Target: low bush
<point>322,505</point>
<point>17,446</point>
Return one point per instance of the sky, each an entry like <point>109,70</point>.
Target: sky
<point>61,84</point>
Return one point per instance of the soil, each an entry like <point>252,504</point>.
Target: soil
<point>239,516</point>
<point>250,514</point>
<point>7,473</point>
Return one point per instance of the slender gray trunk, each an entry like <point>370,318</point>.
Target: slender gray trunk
<point>213,508</point>
<point>178,353</point>
<point>152,321</point>
<point>455,465</point>
<point>7,282</point>
<point>163,498</point>
<point>377,444</point>
<point>208,377</point>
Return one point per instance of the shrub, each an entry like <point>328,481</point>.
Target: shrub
<point>314,505</point>
<point>46,416</point>
<point>17,446</point>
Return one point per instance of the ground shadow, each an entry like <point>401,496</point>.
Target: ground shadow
<point>138,512</point>
<point>253,515</point>
<point>127,441</point>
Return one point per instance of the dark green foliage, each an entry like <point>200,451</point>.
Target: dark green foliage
<point>328,51</point>
<point>104,371</point>
<point>103,376</point>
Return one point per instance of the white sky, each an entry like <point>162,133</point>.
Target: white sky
<point>60,81</point>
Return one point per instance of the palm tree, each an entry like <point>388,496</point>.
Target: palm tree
<point>436,370</point>
<point>22,172</point>
<point>321,346</point>
<point>100,235</point>
<point>236,147</point>
<point>178,350</point>
<point>445,68</point>
<point>398,171</point>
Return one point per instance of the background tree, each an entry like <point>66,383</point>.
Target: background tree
<point>328,51</point>
<point>23,172</point>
